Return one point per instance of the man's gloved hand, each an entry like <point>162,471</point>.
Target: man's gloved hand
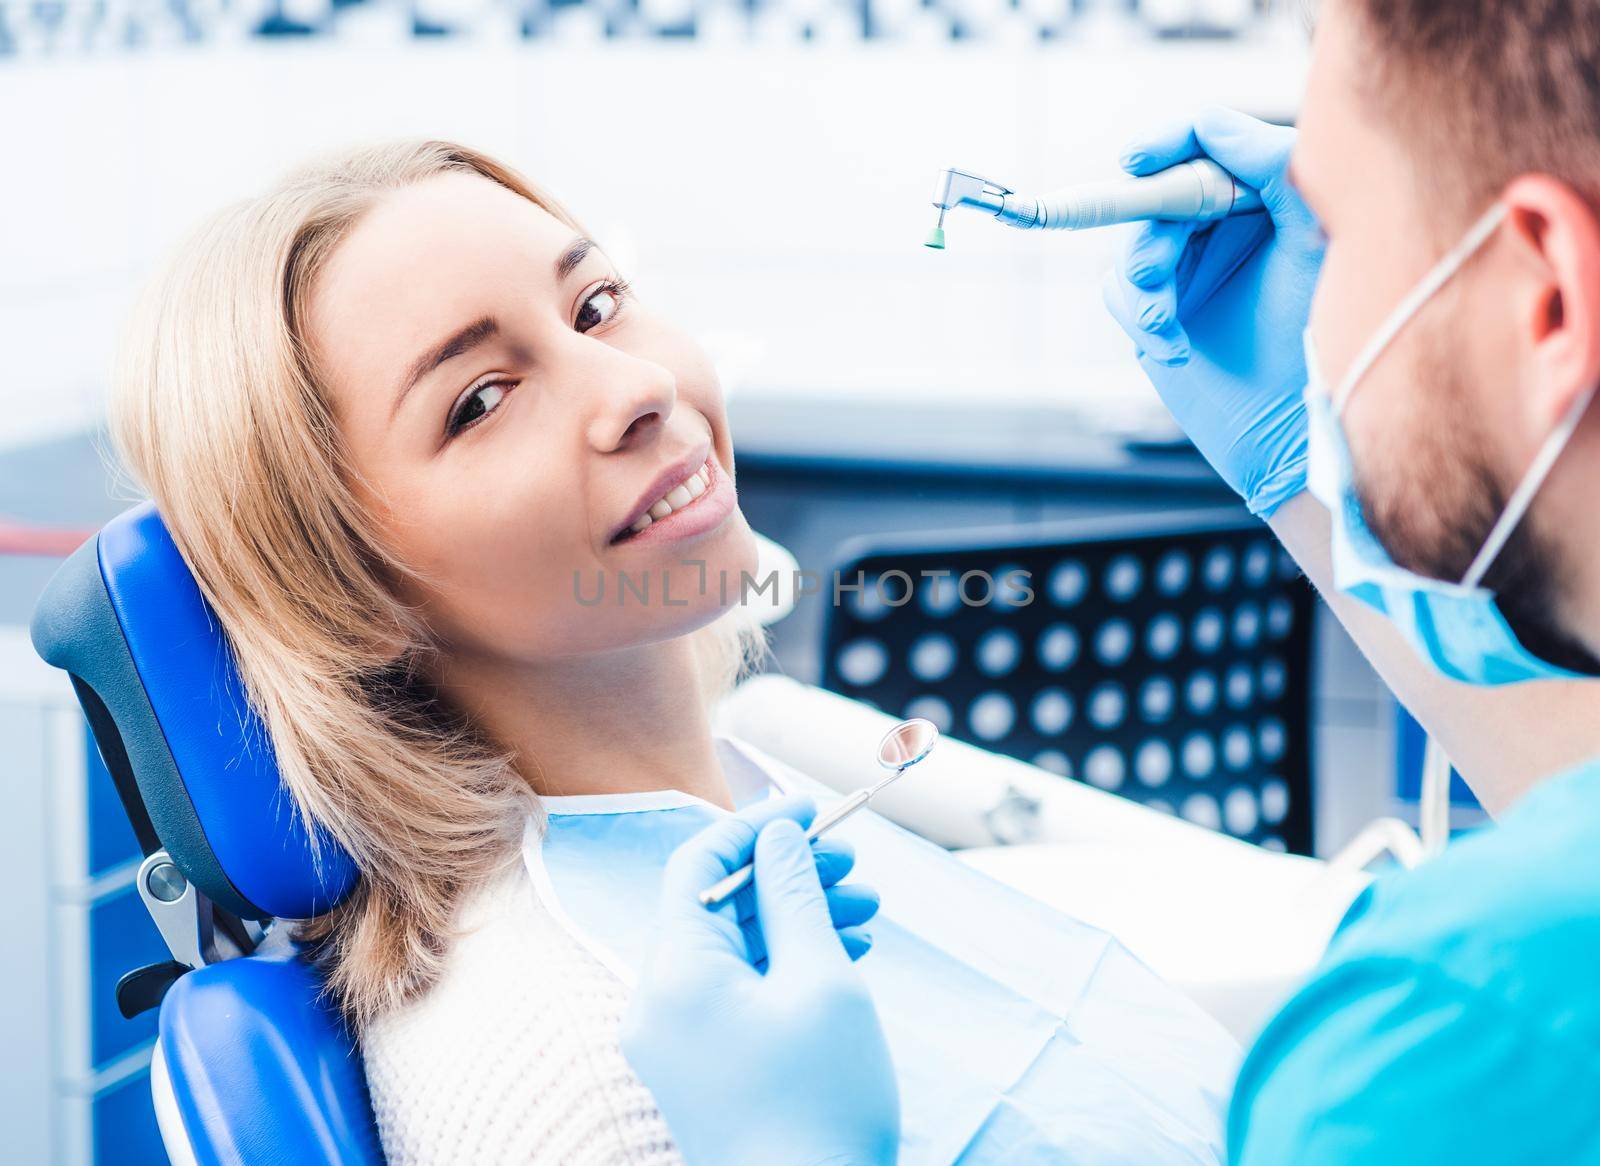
<point>1217,310</point>
<point>786,1067</point>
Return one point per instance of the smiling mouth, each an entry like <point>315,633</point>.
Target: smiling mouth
<point>685,494</point>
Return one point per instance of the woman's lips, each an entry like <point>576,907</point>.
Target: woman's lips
<point>702,514</point>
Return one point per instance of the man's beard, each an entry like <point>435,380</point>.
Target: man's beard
<point>1442,506</point>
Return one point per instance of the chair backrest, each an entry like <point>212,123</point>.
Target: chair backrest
<point>252,1064</point>
<point>193,764</point>
<point>1165,658</point>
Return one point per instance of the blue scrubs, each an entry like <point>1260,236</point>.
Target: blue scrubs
<point>1456,1016</point>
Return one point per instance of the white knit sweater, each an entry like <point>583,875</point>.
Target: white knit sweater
<point>513,1057</point>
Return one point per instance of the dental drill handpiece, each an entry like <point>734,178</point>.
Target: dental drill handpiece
<point>1197,191</point>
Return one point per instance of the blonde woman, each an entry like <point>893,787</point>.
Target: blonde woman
<point>403,418</point>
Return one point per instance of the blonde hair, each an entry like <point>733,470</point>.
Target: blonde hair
<point>216,408</point>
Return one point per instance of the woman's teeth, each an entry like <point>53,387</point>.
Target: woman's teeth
<point>676,498</point>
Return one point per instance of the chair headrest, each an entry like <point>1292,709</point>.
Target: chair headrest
<point>194,766</point>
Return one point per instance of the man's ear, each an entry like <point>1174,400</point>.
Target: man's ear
<point>1557,237</point>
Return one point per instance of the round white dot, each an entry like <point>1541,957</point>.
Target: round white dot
<point>1172,573</point>
<point>1123,576</point>
<point>1273,842</point>
<point>1274,678</point>
<point>1068,583</point>
<point>991,716</point>
<point>1280,618</point>
<point>998,652</point>
<point>1256,564</point>
<point>1104,767</point>
<point>1201,809</point>
<point>932,657</point>
<point>1011,586</point>
<point>1200,693</point>
<point>863,662</point>
<point>931,708</point>
<point>1239,686</point>
<point>1156,698</point>
<point>1107,705</point>
<point>1113,642</point>
<point>1152,764</point>
<point>898,588</point>
<point>1163,637</point>
<point>1271,739</point>
<point>1199,756</point>
<point>1239,811</point>
<point>1058,648</point>
<point>1160,806</point>
<point>1054,761</point>
<point>871,602</point>
<point>939,594</point>
<point>1208,628</point>
<point>1237,747</point>
<point>1274,800</point>
<point>1246,625</point>
<point>1051,712</point>
<point>1217,570</point>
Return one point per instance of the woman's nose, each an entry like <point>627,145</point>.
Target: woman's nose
<point>631,399</point>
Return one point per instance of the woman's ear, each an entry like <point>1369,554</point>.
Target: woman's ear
<point>1557,234</point>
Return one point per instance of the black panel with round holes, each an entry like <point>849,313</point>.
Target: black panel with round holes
<point>1166,659</point>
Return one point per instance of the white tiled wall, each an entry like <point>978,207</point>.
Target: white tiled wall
<point>771,198</point>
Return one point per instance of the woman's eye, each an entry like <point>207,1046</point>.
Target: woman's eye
<point>600,306</point>
<point>476,405</point>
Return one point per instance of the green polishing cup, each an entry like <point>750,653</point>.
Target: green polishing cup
<point>935,239</point>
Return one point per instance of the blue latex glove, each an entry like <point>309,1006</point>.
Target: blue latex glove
<point>850,905</point>
<point>1217,311</point>
<point>786,1067</point>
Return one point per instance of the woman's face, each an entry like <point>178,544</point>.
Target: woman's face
<point>529,434</point>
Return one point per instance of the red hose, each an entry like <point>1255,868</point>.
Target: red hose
<point>18,538</point>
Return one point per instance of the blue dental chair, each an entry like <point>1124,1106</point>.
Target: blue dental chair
<point>251,1065</point>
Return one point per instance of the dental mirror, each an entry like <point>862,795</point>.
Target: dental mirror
<point>907,743</point>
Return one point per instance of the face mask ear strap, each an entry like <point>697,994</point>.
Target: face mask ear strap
<point>1522,497</point>
<point>1425,290</point>
<point>1314,381</point>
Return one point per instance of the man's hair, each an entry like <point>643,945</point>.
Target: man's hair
<point>1490,89</point>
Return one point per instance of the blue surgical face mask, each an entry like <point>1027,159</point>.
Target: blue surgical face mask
<point>1457,627</point>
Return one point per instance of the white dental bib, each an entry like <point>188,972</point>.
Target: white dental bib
<point>1018,1034</point>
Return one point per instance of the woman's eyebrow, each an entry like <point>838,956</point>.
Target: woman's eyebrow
<point>452,346</point>
<point>478,331</point>
<point>577,251</point>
